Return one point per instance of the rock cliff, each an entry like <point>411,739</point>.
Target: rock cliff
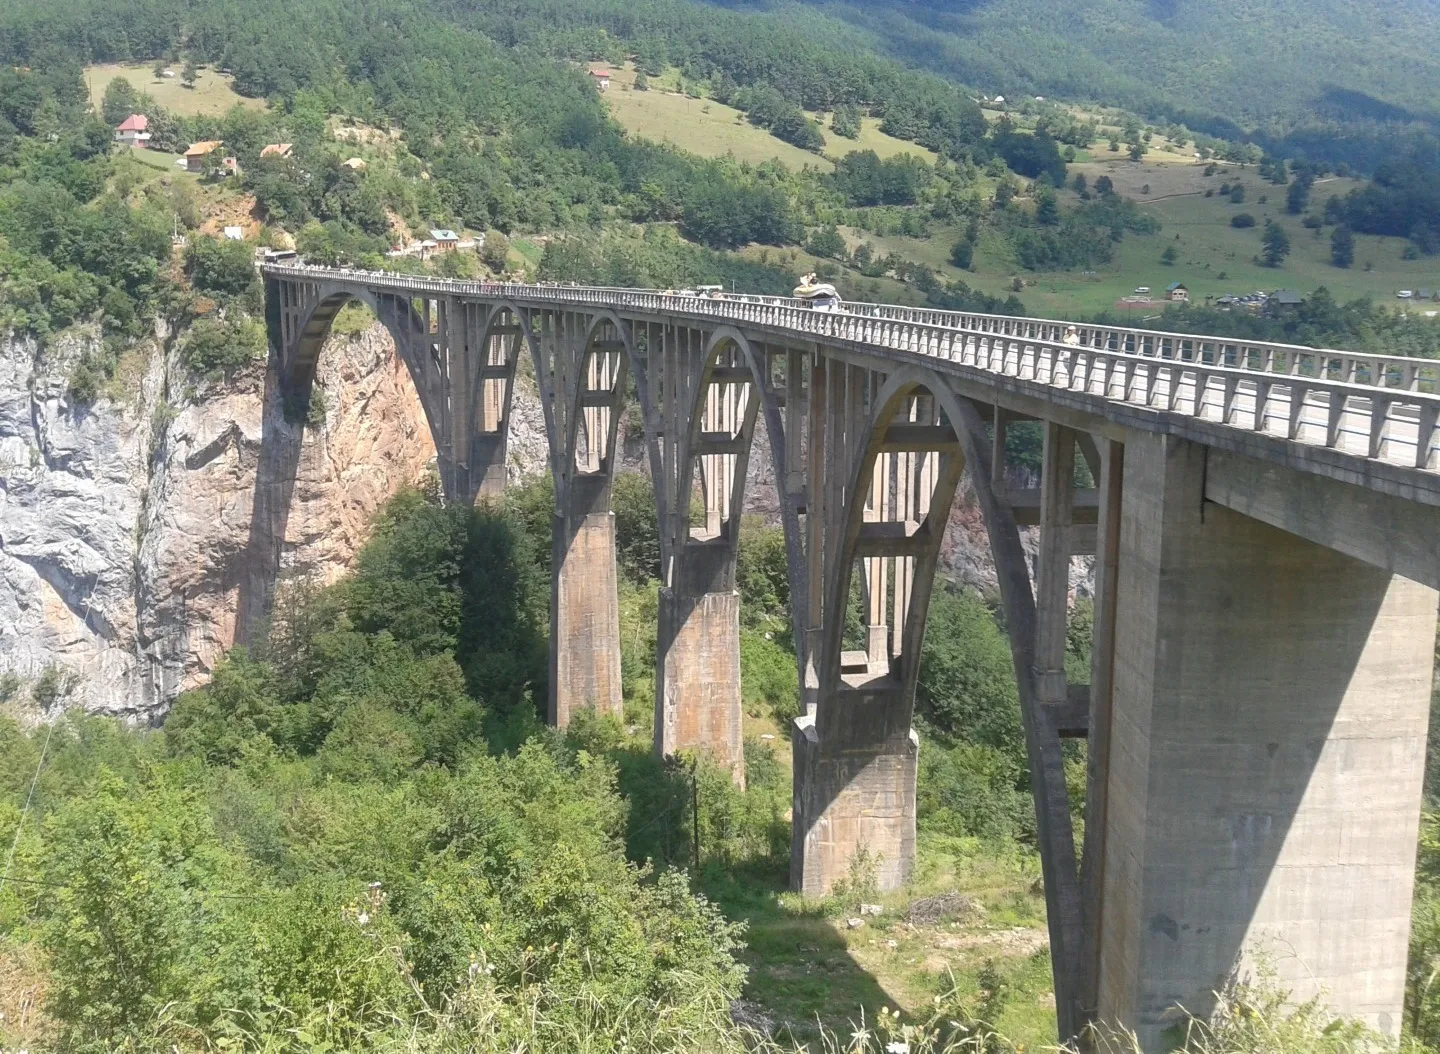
<point>122,524</point>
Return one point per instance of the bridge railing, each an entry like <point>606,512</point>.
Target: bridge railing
<point>1377,407</point>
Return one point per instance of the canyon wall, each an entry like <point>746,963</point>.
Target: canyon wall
<point>123,524</point>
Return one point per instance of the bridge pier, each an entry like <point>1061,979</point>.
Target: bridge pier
<point>584,603</point>
<point>697,672</point>
<point>1263,793</point>
<point>854,796</point>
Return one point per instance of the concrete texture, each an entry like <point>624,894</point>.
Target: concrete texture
<point>1270,705</point>
<point>1384,531</point>
<point>584,619</point>
<point>697,701</point>
<point>851,793</point>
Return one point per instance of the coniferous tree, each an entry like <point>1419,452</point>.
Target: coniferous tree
<point>1342,247</point>
<point>1276,244</point>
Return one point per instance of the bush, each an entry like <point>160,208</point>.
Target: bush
<point>219,265</point>
<point>354,318</point>
<point>1242,220</point>
<point>637,529</point>
<point>495,253</point>
<point>826,242</point>
<point>218,347</point>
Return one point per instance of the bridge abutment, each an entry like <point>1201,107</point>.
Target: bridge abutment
<point>854,801</point>
<point>1263,795</point>
<point>584,604</point>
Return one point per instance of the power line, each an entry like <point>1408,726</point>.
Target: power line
<point>15,844</point>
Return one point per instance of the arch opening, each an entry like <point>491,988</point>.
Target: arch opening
<point>301,318</point>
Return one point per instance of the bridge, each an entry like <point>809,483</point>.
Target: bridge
<point>1265,526</point>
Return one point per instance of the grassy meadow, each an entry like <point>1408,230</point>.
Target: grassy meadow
<point>212,94</point>
<point>712,129</point>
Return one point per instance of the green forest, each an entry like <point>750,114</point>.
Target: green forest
<point>359,835</point>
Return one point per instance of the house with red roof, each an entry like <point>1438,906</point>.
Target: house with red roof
<point>133,131</point>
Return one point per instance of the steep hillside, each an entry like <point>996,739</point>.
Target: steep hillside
<point>1242,61</point>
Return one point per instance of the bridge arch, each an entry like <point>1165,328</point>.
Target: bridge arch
<point>698,689</point>
<point>901,489</point>
<point>501,338</point>
<point>299,321</point>
<point>303,336</point>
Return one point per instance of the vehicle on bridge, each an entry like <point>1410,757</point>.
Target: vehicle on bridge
<point>818,296</point>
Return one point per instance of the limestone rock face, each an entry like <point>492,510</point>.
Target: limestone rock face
<point>123,524</point>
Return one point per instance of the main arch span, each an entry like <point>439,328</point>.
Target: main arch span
<point>1265,526</point>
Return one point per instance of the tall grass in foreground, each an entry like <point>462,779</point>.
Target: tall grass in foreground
<point>483,1018</point>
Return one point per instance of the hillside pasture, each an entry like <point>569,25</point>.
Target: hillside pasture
<point>708,128</point>
<point>212,95</point>
<point>702,126</point>
<point>871,138</point>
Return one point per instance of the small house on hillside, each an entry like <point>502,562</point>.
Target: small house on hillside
<point>133,131</point>
<point>198,152</point>
<point>1176,293</point>
<point>445,240</point>
<point>1283,301</point>
<point>275,150</point>
<point>234,234</point>
<point>602,79</point>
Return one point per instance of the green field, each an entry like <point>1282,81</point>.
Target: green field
<point>212,94</point>
<point>1208,247</point>
<point>159,160</point>
<point>712,129</point>
<point>871,138</point>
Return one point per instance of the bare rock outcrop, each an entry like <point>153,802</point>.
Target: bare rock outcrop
<point>123,523</point>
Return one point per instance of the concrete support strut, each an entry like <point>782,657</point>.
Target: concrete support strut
<point>854,803</point>
<point>703,412</point>
<point>697,704</point>
<point>585,607</point>
<point>1268,748</point>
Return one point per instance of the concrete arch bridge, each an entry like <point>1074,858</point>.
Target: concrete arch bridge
<point>1265,521</point>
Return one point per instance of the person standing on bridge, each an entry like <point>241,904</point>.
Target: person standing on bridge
<point>1072,336</point>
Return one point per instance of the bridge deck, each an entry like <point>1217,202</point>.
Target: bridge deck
<point>1365,419</point>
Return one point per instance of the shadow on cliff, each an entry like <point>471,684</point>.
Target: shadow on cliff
<point>282,432</point>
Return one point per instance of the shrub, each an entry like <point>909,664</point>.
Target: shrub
<point>218,347</point>
<point>1242,220</point>
<point>219,265</point>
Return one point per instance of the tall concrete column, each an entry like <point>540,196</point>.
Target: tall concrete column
<point>697,660</point>
<point>584,603</point>
<point>697,698</point>
<point>854,791</point>
<point>1268,746</point>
